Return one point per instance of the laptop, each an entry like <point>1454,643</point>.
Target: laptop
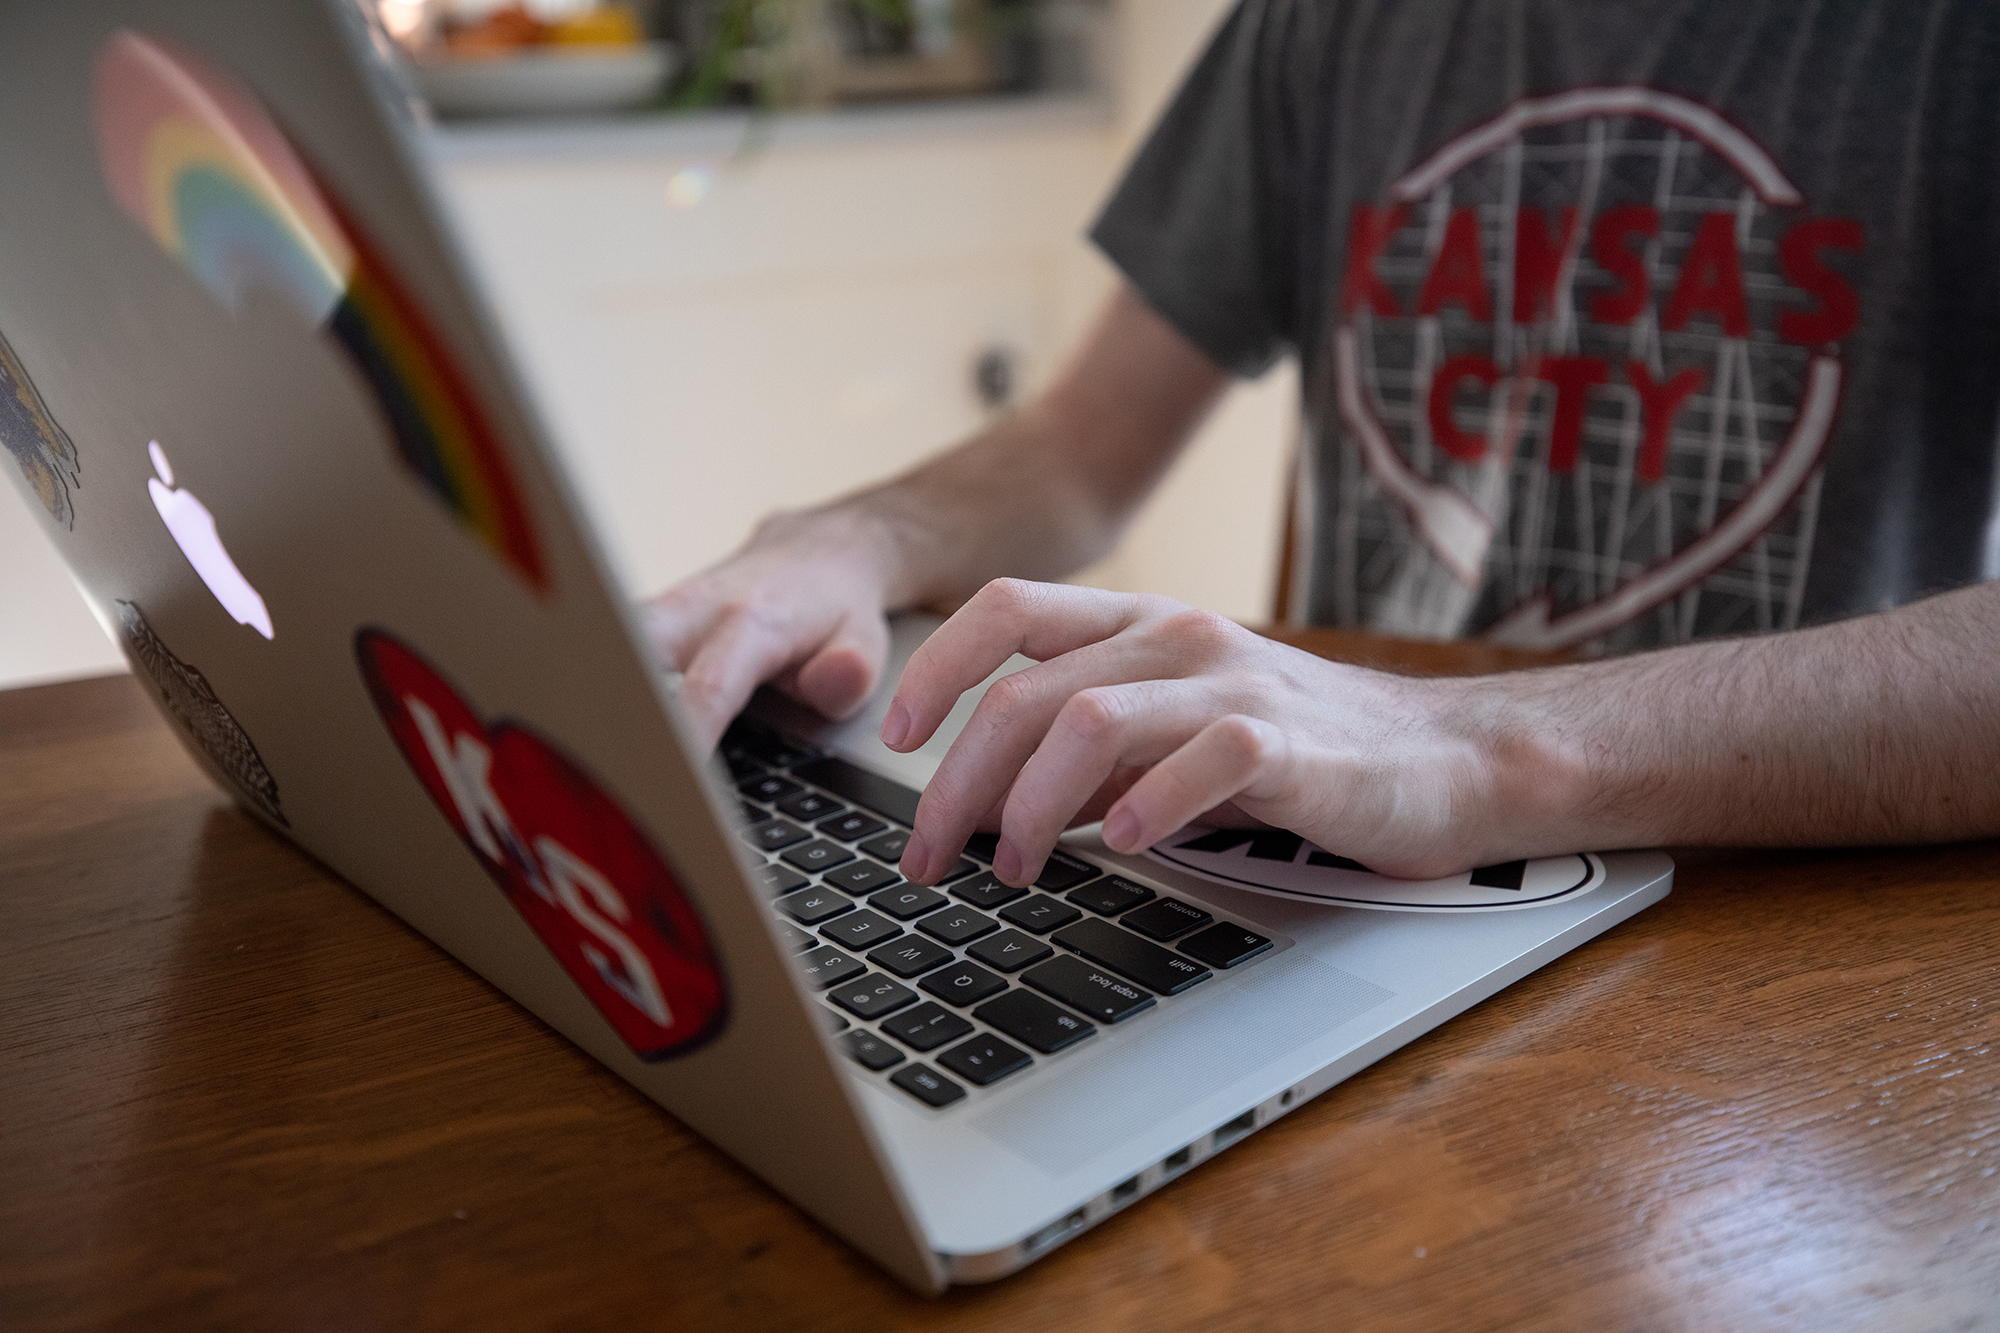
<point>257,399</point>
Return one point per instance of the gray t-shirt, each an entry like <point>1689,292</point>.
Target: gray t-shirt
<point>1620,323</point>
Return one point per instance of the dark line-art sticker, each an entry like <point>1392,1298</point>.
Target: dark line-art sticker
<point>191,700</point>
<point>575,865</point>
<point>40,447</point>
<point>1285,864</point>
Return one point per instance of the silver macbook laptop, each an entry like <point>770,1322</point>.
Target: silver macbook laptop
<point>275,433</point>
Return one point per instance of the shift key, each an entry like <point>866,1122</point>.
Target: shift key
<point>1087,989</point>
<point>1156,969</point>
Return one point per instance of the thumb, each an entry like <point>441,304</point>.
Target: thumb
<point>843,671</point>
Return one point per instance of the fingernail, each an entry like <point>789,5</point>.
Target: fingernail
<point>1006,861</point>
<point>916,859</point>
<point>1121,831</point>
<point>895,727</point>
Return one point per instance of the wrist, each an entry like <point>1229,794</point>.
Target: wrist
<point>1541,770</point>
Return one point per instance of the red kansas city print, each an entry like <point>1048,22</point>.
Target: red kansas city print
<point>569,858</point>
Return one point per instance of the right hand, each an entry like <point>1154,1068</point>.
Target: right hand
<point>802,604</point>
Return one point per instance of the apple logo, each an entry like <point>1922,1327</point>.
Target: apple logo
<point>193,528</point>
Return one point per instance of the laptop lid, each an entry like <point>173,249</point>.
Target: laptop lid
<point>276,436</point>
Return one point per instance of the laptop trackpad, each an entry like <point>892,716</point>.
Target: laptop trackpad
<point>1073,1114</point>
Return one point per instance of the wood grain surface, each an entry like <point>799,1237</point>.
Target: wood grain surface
<point>236,1094</point>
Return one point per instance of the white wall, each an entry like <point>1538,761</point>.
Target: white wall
<point>46,630</point>
<point>808,326</point>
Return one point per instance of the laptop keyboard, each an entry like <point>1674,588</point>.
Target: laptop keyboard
<point>974,976</point>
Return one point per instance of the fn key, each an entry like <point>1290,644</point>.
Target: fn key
<point>1225,945</point>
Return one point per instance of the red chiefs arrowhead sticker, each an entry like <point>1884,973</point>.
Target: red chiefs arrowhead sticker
<point>567,855</point>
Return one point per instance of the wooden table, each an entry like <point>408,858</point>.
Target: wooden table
<point>236,1094</point>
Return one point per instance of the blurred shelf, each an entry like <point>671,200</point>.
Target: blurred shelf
<point>653,135</point>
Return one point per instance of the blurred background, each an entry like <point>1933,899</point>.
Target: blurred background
<point>752,253</point>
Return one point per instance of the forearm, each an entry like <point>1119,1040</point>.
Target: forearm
<point>1882,729</point>
<point>1045,490</point>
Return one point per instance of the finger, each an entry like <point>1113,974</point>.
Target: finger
<point>1230,757</point>
<point>843,671</point>
<point>677,620</point>
<point>742,651</point>
<point>1007,616</point>
<point>1007,726</point>
<point>1096,733</point>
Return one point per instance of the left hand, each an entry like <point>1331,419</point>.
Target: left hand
<point>1157,714</point>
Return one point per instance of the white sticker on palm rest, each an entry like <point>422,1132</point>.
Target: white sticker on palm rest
<point>1272,861</point>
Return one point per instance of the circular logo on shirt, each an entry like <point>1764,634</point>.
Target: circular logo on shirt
<point>1587,360</point>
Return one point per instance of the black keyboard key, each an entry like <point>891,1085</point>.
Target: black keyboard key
<point>769,787</point>
<point>959,870</point>
<point>1225,946</point>
<point>777,879</point>
<point>1111,895</point>
<point>850,826</point>
<point>910,957</point>
<point>773,834</point>
<point>828,966</point>
<point>1159,970</point>
<point>957,925</point>
<point>1166,919</point>
<point>887,847</point>
<point>872,996</point>
<point>751,814</point>
<point>904,901</point>
<point>1010,950</point>
<point>791,937</point>
<point>850,782</point>
<point>1040,914</point>
<point>927,1085</point>
<point>1088,990</point>
<point>818,855</point>
<point>985,891</point>
<point>962,984</point>
<point>810,805</point>
<point>741,766</point>
<point>859,877</point>
<point>1033,1021</point>
<point>984,1060</point>
<point>811,906</point>
<point>926,1027</point>
<point>861,930</point>
<point>870,1051</point>
<point>982,845</point>
<point>1064,871</point>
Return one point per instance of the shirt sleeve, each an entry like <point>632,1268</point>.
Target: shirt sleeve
<point>1203,224</point>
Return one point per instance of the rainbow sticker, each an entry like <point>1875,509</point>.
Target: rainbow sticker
<point>194,159</point>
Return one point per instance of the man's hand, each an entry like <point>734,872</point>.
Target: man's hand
<point>1159,714</point>
<point>1879,729</point>
<point>801,605</point>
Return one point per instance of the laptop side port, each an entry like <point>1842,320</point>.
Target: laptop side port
<point>1236,1129</point>
<point>1124,1191</point>
<point>1055,1231</point>
<point>1177,1161</point>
